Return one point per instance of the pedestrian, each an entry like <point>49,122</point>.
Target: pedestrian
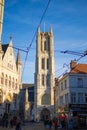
<point>11,123</point>
<point>18,126</point>
<point>55,123</point>
<point>50,124</point>
<point>70,124</point>
<point>63,123</point>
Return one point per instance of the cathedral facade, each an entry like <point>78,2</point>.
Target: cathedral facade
<point>10,78</point>
<point>44,76</point>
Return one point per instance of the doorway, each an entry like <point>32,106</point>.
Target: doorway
<point>45,114</point>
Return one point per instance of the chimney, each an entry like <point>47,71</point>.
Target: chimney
<point>72,64</point>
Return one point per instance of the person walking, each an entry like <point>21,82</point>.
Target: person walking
<point>55,123</point>
<point>50,124</point>
<point>18,126</point>
<point>70,124</point>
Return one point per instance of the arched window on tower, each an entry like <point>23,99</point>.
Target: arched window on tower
<point>45,45</point>
<point>45,99</point>
<point>48,44</point>
<point>43,63</point>
<point>47,63</point>
<point>43,79</point>
<point>48,80</point>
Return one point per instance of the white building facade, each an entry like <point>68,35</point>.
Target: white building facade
<point>71,91</point>
<point>10,78</point>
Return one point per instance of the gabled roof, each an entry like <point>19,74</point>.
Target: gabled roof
<point>4,47</point>
<point>79,69</point>
<point>25,85</point>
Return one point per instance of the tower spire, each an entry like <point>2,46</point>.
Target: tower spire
<point>26,96</point>
<point>27,105</point>
<point>38,30</point>
<point>18,58</point>
<point>10,40</point>
<point>51,31</point>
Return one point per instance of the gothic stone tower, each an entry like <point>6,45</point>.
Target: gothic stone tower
<point>1,16</point>
<point>44,75</point>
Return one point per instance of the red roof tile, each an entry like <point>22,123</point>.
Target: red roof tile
<point>79,68</point>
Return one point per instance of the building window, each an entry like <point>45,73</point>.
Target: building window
<point>13,83</point>
<point>45,99</point>
<point>65,84</point>
<point>80,82</point>
<point>2,79</point>
<point>61,100</point>
<point>48,44</point>
<point>47,63</point>
<point>43,80</point>
<point>66,98</point>
<point>73,98</point>
<point>47,80</point>
<point>9,82</point>
<point>1,96</point>
<point>6,81</point>
<point>80,97</point>
<point>85,97</point>
<point>61,86</point>
<point>45,45</point>
<point>16,85</point>
<point>43,63</point>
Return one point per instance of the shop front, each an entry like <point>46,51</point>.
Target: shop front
<point>79,112</point>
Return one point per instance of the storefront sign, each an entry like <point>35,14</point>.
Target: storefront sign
<point>78,106</point>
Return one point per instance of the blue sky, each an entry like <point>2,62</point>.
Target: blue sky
<point>69,22</point>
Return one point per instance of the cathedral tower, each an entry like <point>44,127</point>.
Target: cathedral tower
<point>44,75</point>
<point>1,16</point>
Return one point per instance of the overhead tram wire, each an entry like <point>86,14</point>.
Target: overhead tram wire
<point>19,49</point>
<point>74,53</point>
<point>35,35</point>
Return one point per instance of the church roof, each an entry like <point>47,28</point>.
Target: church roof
<point>25,85</point>
<point>30,88</point>
<point>4,47</point>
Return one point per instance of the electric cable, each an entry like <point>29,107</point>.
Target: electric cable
<point>34,36</point>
